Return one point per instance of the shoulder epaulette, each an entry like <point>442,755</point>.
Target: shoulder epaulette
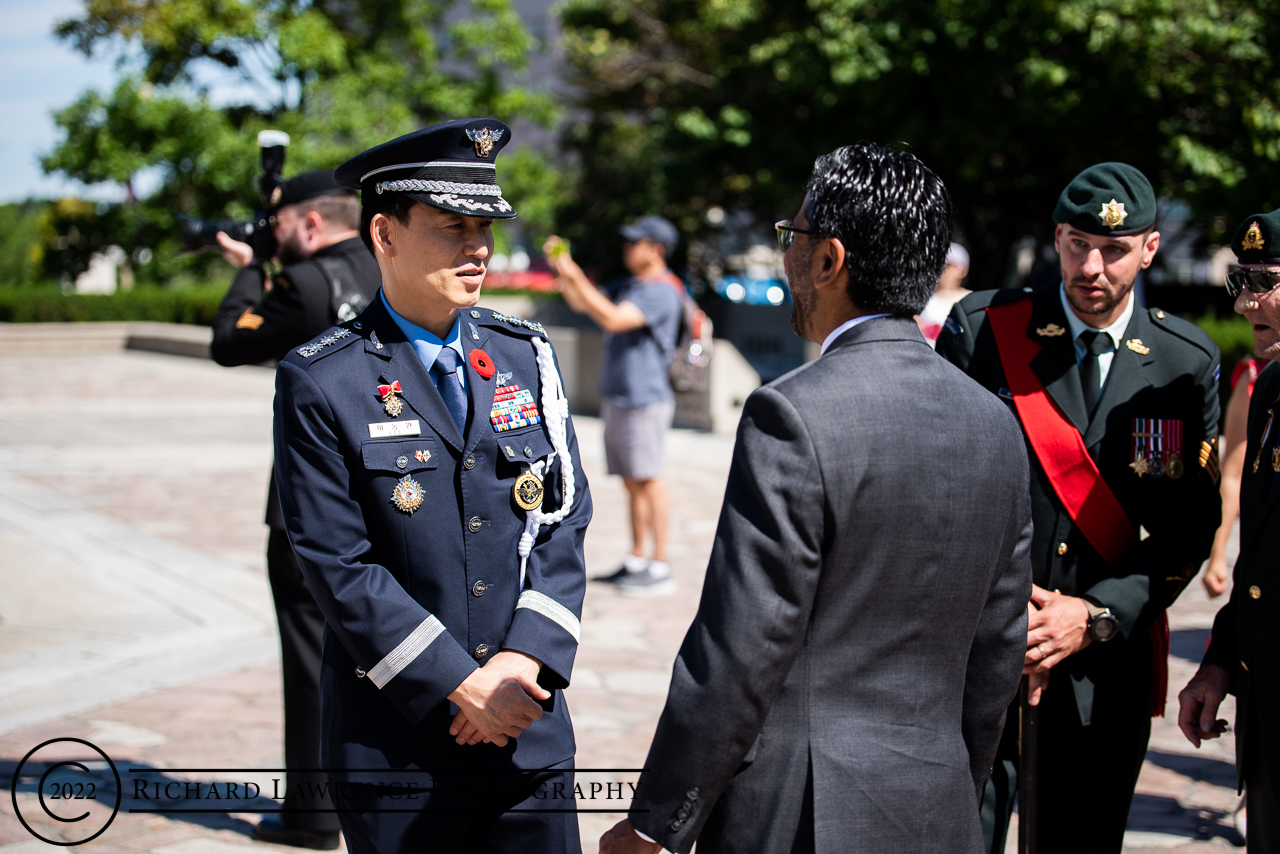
<point>488,315</point>
<point>979,301</point>
<point>1184,329</point>
<point>317,345</point>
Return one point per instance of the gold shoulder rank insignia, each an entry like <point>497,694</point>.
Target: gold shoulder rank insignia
<point>1209,461</point>
<point>249,320</point>
<point>1053,330</point>
<point>1253,238</point>
<point>1136,345</point>
<point>1113,214</point>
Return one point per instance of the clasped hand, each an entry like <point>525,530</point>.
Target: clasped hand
<point>1057,626</point>
<point>497,702</point>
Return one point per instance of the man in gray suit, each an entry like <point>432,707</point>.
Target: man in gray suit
<point>863,621</point>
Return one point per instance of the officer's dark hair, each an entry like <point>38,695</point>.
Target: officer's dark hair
<point>893,216</point>
<point>393,205</point>
<point>337,209</point>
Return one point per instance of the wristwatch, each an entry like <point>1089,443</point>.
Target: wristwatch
<point>1102,623</point>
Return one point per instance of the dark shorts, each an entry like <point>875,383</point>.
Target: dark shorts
<point>634,437</point>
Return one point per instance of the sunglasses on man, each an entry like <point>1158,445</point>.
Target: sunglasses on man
<point>787,233</point>
<point>1254,281</point>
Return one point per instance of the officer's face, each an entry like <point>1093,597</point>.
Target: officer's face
<point>1098,271</point>
<point>437,259</point>
<point>1263,311</point>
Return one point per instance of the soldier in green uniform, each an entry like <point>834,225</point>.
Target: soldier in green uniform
<point>1242,655</point>
<point>1119,405</point>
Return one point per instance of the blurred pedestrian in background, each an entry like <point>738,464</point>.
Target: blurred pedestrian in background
<point>641,320</point>
<point>1243,378</point>
<point>1119,405</point>
<point>844,683</point>
<point>1243,657</point>
<point>326,268</point>
<point>950,291</point>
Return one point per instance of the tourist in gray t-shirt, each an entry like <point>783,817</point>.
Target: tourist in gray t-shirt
<point>641,320</point>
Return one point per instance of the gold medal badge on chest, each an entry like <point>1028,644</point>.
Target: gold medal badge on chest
<point>392,404</point>
<point>407,496</point>
<point>528,491</point>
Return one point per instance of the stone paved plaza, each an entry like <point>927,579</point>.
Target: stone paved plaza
<point>135,613</point>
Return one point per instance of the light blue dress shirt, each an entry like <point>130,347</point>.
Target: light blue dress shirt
<point>426,345</point>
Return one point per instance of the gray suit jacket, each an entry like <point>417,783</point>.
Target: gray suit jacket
<point>864,616</point>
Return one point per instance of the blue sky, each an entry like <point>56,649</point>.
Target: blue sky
<point>39,74</point>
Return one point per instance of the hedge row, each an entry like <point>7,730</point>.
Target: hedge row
<point>196,305</point>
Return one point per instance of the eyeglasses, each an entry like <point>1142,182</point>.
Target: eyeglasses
<point>1254,281</point>
<point>787,233</point>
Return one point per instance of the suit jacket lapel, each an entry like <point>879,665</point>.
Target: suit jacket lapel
<point>402,364</point>
<point>1126,377</point>
<point>479,389</point>
<point>1055,364</point>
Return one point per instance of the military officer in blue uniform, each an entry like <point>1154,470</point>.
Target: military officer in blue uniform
<point>432,491</point>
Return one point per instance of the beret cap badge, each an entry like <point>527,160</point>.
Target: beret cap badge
<point>484,139</point>
<point>1252,238</point>
<point>1113,214</point>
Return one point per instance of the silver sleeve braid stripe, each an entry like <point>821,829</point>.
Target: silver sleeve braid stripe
<point>409,649</point>
<point>413,185</point>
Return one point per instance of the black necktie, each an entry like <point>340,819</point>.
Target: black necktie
<point>446,371</point>
<point>1095,344</point>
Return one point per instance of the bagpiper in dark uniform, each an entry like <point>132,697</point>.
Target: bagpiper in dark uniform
<point>1120,408</point>
<point>1245,648</point>
<point>432,490</point>
<point>260,323</point>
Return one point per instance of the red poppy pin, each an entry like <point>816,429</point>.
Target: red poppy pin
<point>481,362</point>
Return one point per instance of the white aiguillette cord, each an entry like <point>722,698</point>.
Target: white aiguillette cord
<point>555,412</point>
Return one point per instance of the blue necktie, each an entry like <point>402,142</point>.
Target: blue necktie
<point>446,371</point>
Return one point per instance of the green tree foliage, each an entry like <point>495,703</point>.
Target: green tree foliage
<point>337,75</point>
<point>21,250</point>
<point>694,103</point>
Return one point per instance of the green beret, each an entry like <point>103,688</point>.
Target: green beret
<point>1111,198</point>
<point>1257,240</point>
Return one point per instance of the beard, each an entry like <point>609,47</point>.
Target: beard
<point>1114,294</point>
<point>288,252</point>
<point>802,294</point>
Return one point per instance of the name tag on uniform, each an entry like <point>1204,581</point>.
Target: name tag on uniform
<point>394,428</point>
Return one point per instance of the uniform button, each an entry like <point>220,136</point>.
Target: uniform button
<point>402,461</point>
<point>475,314</point>
<point>528,452</point>
<point>1255,592</point>
<point>470,462</point>
<point>481,651</point>
<point>682,815</point>
<point>1160,314</point>
<point>692,794</point>
<point>479,588</point>
<point>474,524</point>
<point>677,824</point>
<point>1062,549</point>
<point>359,673</point>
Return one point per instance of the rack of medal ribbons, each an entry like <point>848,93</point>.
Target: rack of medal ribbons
<point>1157,447</point>
<point>513,408</point>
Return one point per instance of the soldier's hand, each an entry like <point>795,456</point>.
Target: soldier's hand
<point>497,701</point>
<point>623,839</point>
<point>237,254</point>
<point>1198,704</point>
<point>1057,627</point>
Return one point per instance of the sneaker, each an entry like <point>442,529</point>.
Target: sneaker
<point>653,580</point>
<point>631,565</point>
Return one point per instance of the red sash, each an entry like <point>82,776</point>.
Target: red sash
<point>1062,454</point>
